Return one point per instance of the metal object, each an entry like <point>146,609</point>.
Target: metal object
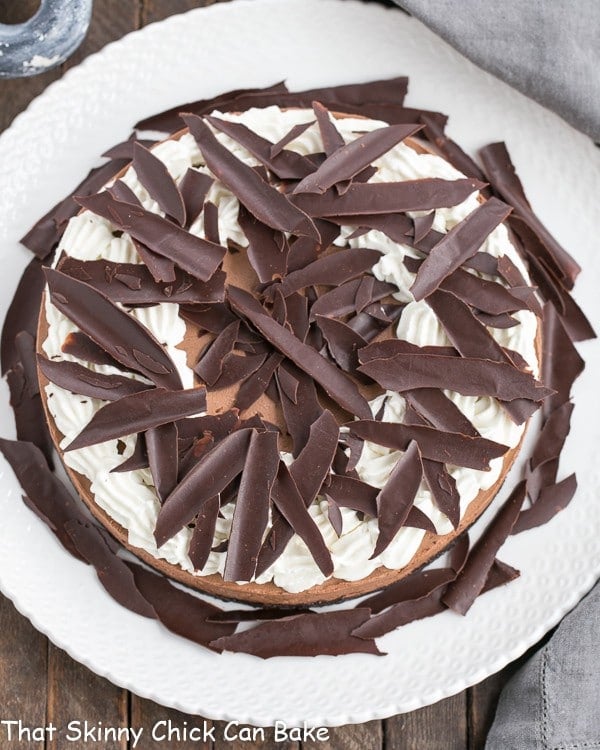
<point>45,40</point>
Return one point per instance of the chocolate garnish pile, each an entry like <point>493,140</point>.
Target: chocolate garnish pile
<point>311,333</point>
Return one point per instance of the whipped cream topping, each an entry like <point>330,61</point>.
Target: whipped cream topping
<point>129,497</point>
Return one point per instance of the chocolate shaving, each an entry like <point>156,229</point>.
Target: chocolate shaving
<point>450,150</point>
<point>291,505</point>
<point>133,284</point>
<point>124,150</point>
<point>251,514</point>
<point>330,135</point>
<point>331,269</point>
<point>461,242</point>
<point>469,583</point>
<point>122,192</point>
<point>299,414</point>
<point>397,226</point>
<point>350,159</point>
<point>137,460</point>
<point>561,363</point>
<point>290,136</point>
<point>500,574</point>
<point>552,499</point>
<point>113,573</point>
<point>444,492</point>
<point>304,635</point>
<point>155,177</point>
<point>388,197</point>
<point>194,187</point>
<point>395,500</point>
<point>238,368</point>
<point>181,613</point>
<point>219,425</point>
<point>137,413</point>
<point>471,376</point>
<point>543,464</point>
<point>120,335</point>
<point>203,534</point>
<point>209,477</point>
<point>261,199</point>
<point>85,382</point>
<point>210,366</point>
<point>211,223</point>
<point>343,299</point>
<point>23,312</point>
<point>440,411</point>
<point>163,457</point>
<point>349,492</point>
<point>79,345</point>
<point>197,256</point>
<point>161,269</point>
<point>256,384</point>
<point>287,165</point>
<point>334,516</point>
<point>446,447</point>
<point>46,494</point>
<point>415,586</point>
<point>264,252</point>
<point>288,384</point>
<point>342,341</point>
<point>336,384</point>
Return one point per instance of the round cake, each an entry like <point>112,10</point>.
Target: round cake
<point>288,355</point>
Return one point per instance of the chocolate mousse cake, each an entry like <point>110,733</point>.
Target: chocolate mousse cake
<point>287,355</point>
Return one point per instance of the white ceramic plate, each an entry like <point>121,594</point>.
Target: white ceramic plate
<point>309,42</point>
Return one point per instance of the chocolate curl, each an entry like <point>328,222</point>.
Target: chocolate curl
<point>254,387</point>
<point>155,177</point>
<point>209,477</point>
<point>500,574</point>
<point>139,412</point>
<point>210,366</point>
<point>304,635</point>
<point>561,363</point>
<point>290,136</point>
<point>300,414</point>
<point>350,492</point>
<point>203,534</point>
<point>350,159</point>
<point>163,458</point>
<point>267,256</point>
<point>124,150</point>
<point>415,586</point>
<point>181,613</point>
<point>137,460</point>
<point>543,464</point>
<point>84,382</point>
<point>194,187</point>
<point>251,514</point>
<point>120,335</point>
<point>263,201</point>
<point>504,179</point>
<point>80,345</point>
<point>335,383</point>
<point>469,583</point>
<point>330,136</point>
<point>551,499</point>
<point>460,243</point>
<point>113,573</point>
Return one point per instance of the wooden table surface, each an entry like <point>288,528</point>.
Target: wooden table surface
<point>40,683</point>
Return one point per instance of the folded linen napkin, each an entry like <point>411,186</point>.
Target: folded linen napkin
<point>548,49</point>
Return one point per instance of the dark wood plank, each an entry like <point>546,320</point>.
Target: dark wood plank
<point>248,738</point>
<point>482,701</point>
<point>442,726</point>
<point>23,653</point>
<point>165,727</point>
<point>367,736</point>
<point>76,694</point>
<point>156,10</point>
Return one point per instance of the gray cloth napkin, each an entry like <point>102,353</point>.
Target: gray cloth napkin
<point>553,701</point>
<point>548,49</point>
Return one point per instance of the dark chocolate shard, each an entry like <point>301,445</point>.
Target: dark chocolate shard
<point>23,312</point>
<point>204,533</point>
<point>218,425</point>
<point>500,574</point>
<point>46,494</point>
<point>422,226</point>
<point>238,368</point>
<point>113,573</point>
<point>501,174</point>
<point>251,514</point>
<point>162,269</point>
<point>254,387</point>
<point>209,477</point>
<point>415,586</point>
<point>211,222</point>
<point>265,254</point>
<point>155,177</point>
<point>561,363</point>
<point>287,165</point>
<point>137,460</point>
<point>42,238</point>
<point>120,335</point>
<point>469,583</point>
<point>461,242</point>
<point>446,447</point>
<point>25,398</point>
<point>263,201</point>
<point>195,255</point>
<point>334,515</point>
<point>471,376</point>
<point>180,612</point>
<point>439,410</point>
<point>86,382</point>
<point>139,412</point>
<point>133,283</point>
<point>444,492</point>
<point>308,473</point>
<point>396,499</point>
<point>194,187</point>
<point>504,320</point>
<point>388,197</point>
<point>401,614</point>
<point>343,299</point>
<point>346,162</point>
<point>79,345</point>
<point>163,457</point>
<point>291,505</point>
<point>542,468</point>
<point>304,635</point>
<point>450,150</point>
<point>330,135</point>
<point>338,386</point>
<point>301,413</point>
<point>397,226</point>
<point>331,270</point>
<point>290,136</point>
<point>124,150</point>
<point>288,384</point>
<point>342,342</point>
<point>552,499</point>
<point>122,192</point>
<point>210,366</point>
<point>257,615</point>
<point>349,492</point>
